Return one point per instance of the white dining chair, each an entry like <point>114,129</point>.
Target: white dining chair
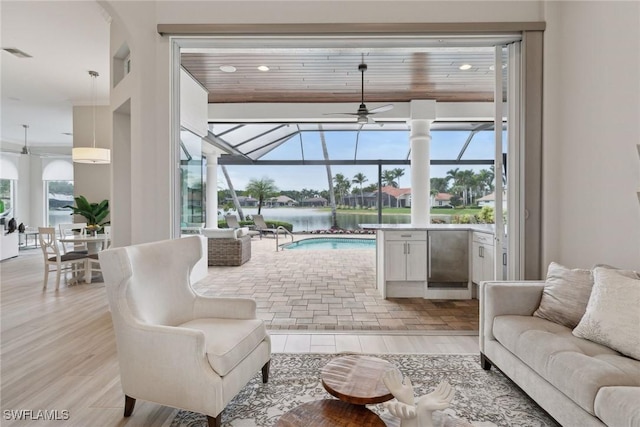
<point>73,229</point>
<point>56,261</point>
<point>93,263</point>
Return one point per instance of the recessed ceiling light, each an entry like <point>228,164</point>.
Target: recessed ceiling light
<point>228,68</point>
<point>263,68</point>
<point>465,67</point>
<point>67,133</point>
<point>16,52</point>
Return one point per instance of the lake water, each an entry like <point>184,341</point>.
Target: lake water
<point>309,219</point>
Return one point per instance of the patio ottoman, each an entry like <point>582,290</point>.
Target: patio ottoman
<point>228,247</point>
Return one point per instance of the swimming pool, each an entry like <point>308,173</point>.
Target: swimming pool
<point>331,243</point>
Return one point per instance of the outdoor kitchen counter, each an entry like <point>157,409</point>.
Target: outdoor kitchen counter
<point>482,228</point>
<point>433,262</point>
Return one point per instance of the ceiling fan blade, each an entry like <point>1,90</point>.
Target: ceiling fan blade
<point>341,114</point>
<point>381,109</point>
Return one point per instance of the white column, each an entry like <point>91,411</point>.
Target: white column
<point>423,112</point>
<point>212,190</point>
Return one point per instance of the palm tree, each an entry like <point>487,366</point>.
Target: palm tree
<point>332,194</point>
<point>399,173</point>
<point>453,175</point>
<point>234,196</point>
<point>342,186</point>
<point>465,178</point>
<point>262,189</point>
<point>360,179</point>
<point>440,184</point>
<point>388,178</point>
<point>486,180</point>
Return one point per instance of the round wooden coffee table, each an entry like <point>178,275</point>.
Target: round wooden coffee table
<point>357,379</point>
<point>330,413</point>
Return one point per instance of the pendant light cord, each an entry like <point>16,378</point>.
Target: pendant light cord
<point>94,75</point>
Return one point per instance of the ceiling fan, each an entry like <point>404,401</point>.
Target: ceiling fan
<point>26,150</point>
<point>363,112</point>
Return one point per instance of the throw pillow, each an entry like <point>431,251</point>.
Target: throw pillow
<point>612,317</point>
<point>565,295</point>
<point>627,273</point>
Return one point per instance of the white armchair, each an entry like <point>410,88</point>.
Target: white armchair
<point>177,348</point>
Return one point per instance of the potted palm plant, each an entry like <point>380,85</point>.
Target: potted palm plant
<point>94,213</point>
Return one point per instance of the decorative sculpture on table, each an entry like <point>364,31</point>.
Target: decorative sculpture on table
<point>415,412</point>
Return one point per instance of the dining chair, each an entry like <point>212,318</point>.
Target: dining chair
<point>56,261</point>
<point>93,263</point>
<point>68,230</point>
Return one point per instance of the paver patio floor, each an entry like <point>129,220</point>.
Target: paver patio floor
<point>330,290</point>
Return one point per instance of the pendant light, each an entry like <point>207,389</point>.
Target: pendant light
<point>92,154</point>
<point>25,149</point>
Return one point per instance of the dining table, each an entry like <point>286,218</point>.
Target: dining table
<point>94,243</point>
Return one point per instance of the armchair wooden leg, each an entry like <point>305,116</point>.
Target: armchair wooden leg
<point>129,403</point>
<point>265,372</point>
<point>215,422</point>
<point>484,362</point>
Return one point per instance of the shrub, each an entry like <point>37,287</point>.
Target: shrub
<point>486,215</point>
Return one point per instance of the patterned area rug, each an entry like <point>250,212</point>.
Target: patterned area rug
<point>485,398</point>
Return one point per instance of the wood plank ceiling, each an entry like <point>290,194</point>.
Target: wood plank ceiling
<point>331,75</point>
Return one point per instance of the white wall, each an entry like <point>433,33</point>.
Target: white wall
<point>92,181</point>
<point>591,128</point>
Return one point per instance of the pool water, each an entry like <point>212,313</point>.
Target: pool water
<point>331,243</point>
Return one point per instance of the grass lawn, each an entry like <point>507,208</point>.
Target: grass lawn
<point>407,211</point>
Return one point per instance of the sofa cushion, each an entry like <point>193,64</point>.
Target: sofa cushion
<point>576,367</point>
<point>619,406</point>
<point>613,314</point>
<point>565,295</point>
<point>228,341</point>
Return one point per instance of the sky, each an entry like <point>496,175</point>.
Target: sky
<point>371,146</point>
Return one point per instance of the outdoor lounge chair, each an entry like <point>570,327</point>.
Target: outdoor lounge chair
<point>232,222</point>
<point>262,226</point>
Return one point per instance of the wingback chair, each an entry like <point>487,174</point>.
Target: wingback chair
<point>176,348</point>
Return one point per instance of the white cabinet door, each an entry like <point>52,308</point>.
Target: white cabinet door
<point>477,274</point>
<point>482,258</point>
<point>488,264</point>
<point>416,261</point>
<point>395,260</point>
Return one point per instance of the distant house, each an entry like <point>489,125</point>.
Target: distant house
<point>245,201</point>
<point>315,202</point>
<point>441,200</point>
<point>280,201</point>
<point>395,197</point>
<point>367,199</point>
<point>490,200</point>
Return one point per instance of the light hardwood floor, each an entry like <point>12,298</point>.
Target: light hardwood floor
<point>58,350</point>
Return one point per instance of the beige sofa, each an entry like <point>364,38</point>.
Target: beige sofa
<point>578,382</point>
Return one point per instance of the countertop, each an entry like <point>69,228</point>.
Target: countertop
<point>482,228</point>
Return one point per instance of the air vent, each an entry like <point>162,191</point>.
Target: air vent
<point>16,52</point>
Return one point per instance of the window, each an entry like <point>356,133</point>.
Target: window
<point>7,199</point>
<point>58,195</point>
<point>192,173</point>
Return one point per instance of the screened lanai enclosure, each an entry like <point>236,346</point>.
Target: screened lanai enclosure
<point>294,153</point>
